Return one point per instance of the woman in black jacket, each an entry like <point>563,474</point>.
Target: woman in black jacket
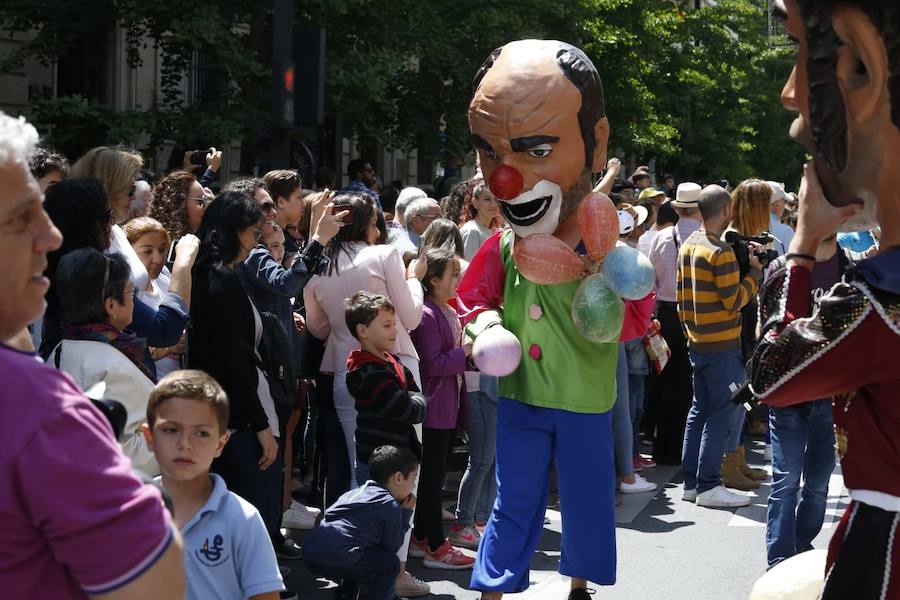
<point>222,340</point>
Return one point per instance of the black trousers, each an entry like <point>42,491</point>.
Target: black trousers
<point>334,462</point>
<point>378,569</point>
<point>239,467</point>
<point>427,523</point>
<point>674,388</point>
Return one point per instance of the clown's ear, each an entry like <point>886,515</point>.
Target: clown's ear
<point>601,133</point>
<point>862,64</point>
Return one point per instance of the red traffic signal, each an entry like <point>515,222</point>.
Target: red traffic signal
<point>288,79</point>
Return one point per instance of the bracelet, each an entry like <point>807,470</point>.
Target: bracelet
<point>791,255</point>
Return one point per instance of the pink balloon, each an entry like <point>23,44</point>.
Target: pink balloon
<point>546,260</point>
<point>497,352</point>
<point>599,223</point>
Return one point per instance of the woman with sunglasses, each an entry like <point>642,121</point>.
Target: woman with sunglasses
<point>223,340</point>
<point>178,203</point>
<point>97,300</point>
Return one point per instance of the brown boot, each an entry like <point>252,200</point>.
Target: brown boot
<point>747,470</point>
<point>732,476</point>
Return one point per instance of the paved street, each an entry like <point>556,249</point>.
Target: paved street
<point>667,548</point>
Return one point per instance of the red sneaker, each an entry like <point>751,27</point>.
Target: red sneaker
<point>447,557</point>
<point>645,463</point>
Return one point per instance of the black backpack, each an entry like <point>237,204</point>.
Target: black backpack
<point>275,361</point>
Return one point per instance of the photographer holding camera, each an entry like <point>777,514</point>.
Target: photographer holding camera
<point>710,296</point>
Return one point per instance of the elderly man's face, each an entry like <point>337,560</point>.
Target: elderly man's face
<point>26,235</point>
<point>524,124</point>
<point>420,222</point>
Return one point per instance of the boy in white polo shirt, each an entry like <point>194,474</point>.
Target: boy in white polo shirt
<point>227,552</point>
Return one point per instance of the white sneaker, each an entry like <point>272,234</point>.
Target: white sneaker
<point>408,586</point>
<point>299,516</point>
<point>767,453</point>
<point>719,497</point>
<point>689,495</point>
<point>640,485</point>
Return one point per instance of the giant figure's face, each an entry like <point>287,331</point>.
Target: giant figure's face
<point>524,124</point>
<point>851,173</point>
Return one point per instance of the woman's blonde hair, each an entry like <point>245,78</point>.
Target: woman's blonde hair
<point>135,228</point>
<point>115,169</point>
<point>750,207</point>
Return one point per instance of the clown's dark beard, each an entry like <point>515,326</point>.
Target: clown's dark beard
<point>573,196</point>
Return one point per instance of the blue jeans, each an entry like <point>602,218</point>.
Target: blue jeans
<point>712,417</point>
<point>621,420</point>
<point>478,486</point>
<point>636,400</point>
<point>802,443</point>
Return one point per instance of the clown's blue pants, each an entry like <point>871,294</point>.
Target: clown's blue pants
<point>528,439</point>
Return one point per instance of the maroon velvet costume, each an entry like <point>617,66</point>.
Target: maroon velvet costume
<point>849,349</point>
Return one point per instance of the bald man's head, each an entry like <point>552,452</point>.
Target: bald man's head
<point>714,200</point>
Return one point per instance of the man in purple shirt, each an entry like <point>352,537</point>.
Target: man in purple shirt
<point>76,522</point>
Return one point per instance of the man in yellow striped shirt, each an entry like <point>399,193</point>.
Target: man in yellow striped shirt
<point>710,293</point>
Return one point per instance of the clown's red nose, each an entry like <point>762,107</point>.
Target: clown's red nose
<point>506,182</point>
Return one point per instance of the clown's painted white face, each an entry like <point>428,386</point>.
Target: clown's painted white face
<point>534,211</point>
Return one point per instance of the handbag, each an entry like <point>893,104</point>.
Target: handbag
<point>657,349</point>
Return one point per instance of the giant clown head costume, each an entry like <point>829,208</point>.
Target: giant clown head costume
<point>537,121</point>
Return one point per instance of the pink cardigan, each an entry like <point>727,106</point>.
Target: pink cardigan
<point>377,269</point>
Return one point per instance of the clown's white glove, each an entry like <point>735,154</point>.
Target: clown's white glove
<point>496,352</point>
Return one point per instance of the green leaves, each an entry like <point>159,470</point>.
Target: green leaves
<point>696,90</point>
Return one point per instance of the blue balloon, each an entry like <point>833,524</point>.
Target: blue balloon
<point>629,273</point>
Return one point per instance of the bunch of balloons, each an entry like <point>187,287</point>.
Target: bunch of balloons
<point>612,274</point>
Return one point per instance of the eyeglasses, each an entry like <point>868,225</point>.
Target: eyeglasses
<point>429,217</point>
<point>267,206</point>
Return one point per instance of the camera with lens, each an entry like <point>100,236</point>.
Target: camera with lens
<point>742,249</point>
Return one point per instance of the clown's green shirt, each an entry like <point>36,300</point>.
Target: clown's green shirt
<point>560,368</point>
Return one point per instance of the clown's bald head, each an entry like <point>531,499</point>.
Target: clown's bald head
<point>537,120</point>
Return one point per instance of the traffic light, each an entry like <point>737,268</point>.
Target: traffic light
<point>283,100</point>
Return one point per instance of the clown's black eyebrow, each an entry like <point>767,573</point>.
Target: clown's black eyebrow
<point>480,142</point>
<point>523,144</point>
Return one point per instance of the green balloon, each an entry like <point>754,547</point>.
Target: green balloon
<point>597,310</point>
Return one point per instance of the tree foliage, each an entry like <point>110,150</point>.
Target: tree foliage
<point>696,90</point>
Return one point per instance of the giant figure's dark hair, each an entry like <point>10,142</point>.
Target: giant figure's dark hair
<point>578,69</point>
<point>828,114</point>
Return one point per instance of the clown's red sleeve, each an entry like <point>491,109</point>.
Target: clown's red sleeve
<point>481,288</point>
<point>637,317</point>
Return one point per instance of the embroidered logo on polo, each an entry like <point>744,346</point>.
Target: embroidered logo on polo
<point>212,553</point>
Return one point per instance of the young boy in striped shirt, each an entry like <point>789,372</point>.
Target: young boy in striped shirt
<point>710,294</point>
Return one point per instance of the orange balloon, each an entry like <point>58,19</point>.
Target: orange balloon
<point>599,223</point>
<point>545,260</point>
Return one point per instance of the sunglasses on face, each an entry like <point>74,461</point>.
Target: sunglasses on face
<point>267,207</point>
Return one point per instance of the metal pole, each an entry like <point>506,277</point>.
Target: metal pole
<point>282,53</point>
